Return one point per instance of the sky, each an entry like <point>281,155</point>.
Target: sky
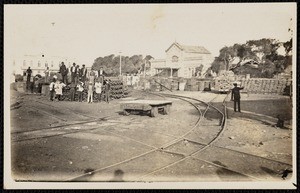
<point>85,32</point>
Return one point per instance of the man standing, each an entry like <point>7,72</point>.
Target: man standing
<point>101,75</point>
<point>29,72</point>
<point>73,73</point>
<point>52,89</point>
<point>107,90</point>
<point>100,72</point>
<point>83,73</point>
<point>47,72</point>
<point>235,96</point>
<point>63,71</point>
<point>77,75</point>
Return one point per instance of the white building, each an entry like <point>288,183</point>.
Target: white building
<point>182,61</point>
<point>39,62</point>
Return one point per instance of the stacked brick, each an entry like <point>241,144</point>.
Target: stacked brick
<point>117,90</point>
<point>253,85</point>
<point>262,85</point>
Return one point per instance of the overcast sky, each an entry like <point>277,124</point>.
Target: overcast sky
<point>86,32</point>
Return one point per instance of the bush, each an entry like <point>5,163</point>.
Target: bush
<point>18,78</point>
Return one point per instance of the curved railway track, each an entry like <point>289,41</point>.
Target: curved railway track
<point>203,109</point>
<point>178,139</point>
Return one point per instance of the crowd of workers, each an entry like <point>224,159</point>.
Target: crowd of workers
<point>80,80</point>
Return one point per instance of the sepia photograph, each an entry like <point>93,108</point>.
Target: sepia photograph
<point>106,96</point>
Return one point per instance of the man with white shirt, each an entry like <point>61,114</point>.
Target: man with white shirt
<point>73,72</point>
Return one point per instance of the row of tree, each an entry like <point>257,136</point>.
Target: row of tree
<point>263,52</point>
<point>111,64</point>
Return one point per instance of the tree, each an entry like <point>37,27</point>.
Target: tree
<point>111,64</point>
<point>263,51</point>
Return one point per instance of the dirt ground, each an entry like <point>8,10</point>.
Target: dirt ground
<point>43,154</point>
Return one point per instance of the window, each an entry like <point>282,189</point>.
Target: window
<point>39,71</point>
<point>39,64</point>
<point>51,63</point>
<point>174,59</point>
<point>31,63</point>
<point>24,62</point>
<point>46,64</point>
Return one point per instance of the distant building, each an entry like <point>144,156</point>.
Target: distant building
<point>182,61</point>
<point>39,62</point>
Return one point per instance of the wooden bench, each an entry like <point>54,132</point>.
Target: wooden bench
<point>151,106</point>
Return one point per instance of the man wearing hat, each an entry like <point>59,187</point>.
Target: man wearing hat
<point>64,72</point>
<point>83,73</point>
<point>73,73</point>
<point>235,96</point>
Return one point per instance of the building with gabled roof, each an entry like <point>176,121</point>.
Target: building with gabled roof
<point>182,61</point>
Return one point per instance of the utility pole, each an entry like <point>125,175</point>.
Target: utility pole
<point>120,64</point>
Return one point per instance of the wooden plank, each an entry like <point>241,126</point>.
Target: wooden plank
<point>148,102</point>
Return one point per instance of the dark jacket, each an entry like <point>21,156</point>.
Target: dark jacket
<point>63,70</point>
<point>28,71</point>
<point>83,72</point>
<point>235,93</point>
<point>71,69</point>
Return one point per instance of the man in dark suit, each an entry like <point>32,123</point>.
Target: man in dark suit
<point>73,72</point>
<point>29,72</point>
<point>236,97</point>
<point>101,75</point>
<point>83,73</point>
<point>63,71</point>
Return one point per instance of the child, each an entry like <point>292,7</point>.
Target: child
<point>92,76</point>
<point>58,89</point>
<point>79,90</point>
<point>52,89</point>
<point>98,87</point>
<point>90,92</point>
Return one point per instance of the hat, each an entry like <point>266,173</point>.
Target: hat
<point>234,83</point>
<point>83,64</point>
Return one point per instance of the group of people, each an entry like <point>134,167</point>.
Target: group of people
<point>75,71</point>
<point>81,79</point>
<point>99,86</point>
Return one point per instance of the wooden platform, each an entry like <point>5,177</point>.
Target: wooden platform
<point>151,106</point>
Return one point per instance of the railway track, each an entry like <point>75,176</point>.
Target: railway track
<point>178,139</point>
<point>91,119</point>
<point>203,109</point>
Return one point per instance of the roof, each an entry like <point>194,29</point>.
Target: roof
<point>190,49</point>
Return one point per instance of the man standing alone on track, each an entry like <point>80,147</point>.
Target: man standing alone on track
<point>236,97</point>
